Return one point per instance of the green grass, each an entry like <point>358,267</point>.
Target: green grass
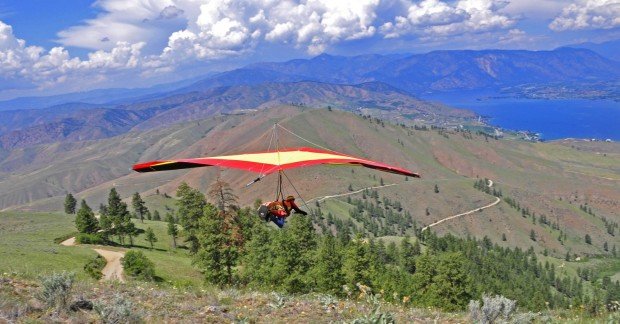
<point>28,250</point>
<point>27,246</point>
<point>172,265</point>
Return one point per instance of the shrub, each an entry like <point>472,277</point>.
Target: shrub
<point>85,238</point>
<point>56,289</point>
<point>136,265</point>
<point>120,310</point>
<point>492,309</point>
<point>93,267</point>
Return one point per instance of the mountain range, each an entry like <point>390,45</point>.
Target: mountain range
<point>386,84</point>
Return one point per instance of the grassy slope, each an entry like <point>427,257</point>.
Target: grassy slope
<point>28,249</point>
<point>27,246</point>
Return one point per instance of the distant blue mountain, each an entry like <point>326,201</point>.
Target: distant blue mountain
<point>438,71</point>
<point>92,98</point>
<point>609,49</point>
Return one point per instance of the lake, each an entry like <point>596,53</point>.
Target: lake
<point>554,119</point>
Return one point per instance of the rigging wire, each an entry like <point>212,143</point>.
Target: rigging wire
<point>303,139</point>
<point>296,191</point>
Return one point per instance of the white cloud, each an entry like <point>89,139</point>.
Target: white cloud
<point>24,65</point>
<point>588,14</point>
<point>132,38</point>
<point>224,27</point>
<point>440,18</point>
<point>131,21</point>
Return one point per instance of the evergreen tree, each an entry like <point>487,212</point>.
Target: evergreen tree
<point>259,258</point>
<point>442,281</point>
<point>156,215</point>
<point>191,204</point>
<point>328,267</point>
<point>222,194</point>
<point>104,221</point>
<point>356,266</point>
<point>85,220</point>
<point>172,229</point>
<point>532,235</point>
<point>436,188</point>
<point>150,236</point>
<point>294,249</point>
<point>139,206</point>
<point>70,204</point>
<point>588,239</point>
<point>119,216</point>
<point>129,229</point>
<point>217,252</point>
<point>408,254</point>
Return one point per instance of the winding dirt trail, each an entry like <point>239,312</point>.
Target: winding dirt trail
<point>113,269</point>
<point>497,200</point>
<point>322,198</point>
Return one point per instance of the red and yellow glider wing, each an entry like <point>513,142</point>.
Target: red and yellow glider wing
<point>269,162</point>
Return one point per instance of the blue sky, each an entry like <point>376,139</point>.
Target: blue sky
<point>74,45</point>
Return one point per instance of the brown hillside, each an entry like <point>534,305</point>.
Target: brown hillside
<point>548,178</point>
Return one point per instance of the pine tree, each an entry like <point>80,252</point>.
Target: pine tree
<point>532,235</point>
<point>129,229</point>
<point>443,281</point>
<point>222,194</point>
<point>295,247</point>
<point>436,188</point>
<point>605,247</point>
<point>104,221</point>
<point>139,206</point>
<point>327,270</point>
<point>408,254</point>
<point>504,237</point>
<point>70,204</point>
<point>156,215</point>
<point>588,239</point>
<point>150,236</point>
<point>85,220</point>
<point>119,216</point>
<point>356,266</point>
<point>190,210</point>
<point>217,254</point>
<point>172,229</point>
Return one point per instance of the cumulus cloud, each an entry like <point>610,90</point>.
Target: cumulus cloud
<point>440,18</point>
<point>150,37</point>
<point>22,65</point>
<point>131,21</point>
<point>222,27</point>
<point>588,14</point>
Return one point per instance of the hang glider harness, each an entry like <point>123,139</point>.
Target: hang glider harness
<point>278,160</point>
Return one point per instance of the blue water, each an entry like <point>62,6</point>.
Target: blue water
<point>554,119</point>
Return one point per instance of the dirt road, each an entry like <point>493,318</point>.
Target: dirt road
<point>497,200</point>
<point>113,269</point>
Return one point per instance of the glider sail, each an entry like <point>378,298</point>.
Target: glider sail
<point>268,162</point>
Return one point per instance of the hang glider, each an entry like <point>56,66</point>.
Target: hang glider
<point>269,162</point>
